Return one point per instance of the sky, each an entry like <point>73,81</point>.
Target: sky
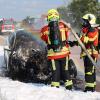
<point>19,9</point>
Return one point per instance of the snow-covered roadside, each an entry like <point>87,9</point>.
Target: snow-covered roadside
<point>15,90</point>
<point>1,55</point>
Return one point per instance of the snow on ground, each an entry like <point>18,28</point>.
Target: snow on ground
<point>15,90</point>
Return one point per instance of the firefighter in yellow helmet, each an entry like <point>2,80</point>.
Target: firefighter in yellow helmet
<point>55,34</point>
<point>89,37</point>
<point>53,15</point>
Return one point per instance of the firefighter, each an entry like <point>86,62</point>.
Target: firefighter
<point>98,28</point>
<point>98,38</point>
<point>55,34</point>
<point>89,38</point>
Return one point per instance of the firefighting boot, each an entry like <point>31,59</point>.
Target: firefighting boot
<point>92,89</point>
<point>69,87</point>
<point>68,84</point>
<point>55,84</point>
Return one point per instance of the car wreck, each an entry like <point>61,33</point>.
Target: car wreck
<point>26,58</point>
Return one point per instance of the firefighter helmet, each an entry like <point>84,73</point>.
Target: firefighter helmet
<point>91,18</point>
<point>53,15</point>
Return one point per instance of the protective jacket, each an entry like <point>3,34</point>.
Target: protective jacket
<point>98,35</point>
<point>90,40</point>
<point>64,31</point>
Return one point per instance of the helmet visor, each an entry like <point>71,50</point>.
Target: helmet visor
<point>84,22</point>
<point>53,16</point>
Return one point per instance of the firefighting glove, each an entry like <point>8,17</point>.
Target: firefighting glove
<point>86,39</point>
<point>70,43</point>
<point>73,43</point>
<point>49,46</point>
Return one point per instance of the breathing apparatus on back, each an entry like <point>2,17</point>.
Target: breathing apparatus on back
<point>54,31</point>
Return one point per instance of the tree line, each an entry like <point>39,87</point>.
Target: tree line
<point>77,8</point>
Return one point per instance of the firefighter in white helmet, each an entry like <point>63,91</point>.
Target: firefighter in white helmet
<point>89,37</point>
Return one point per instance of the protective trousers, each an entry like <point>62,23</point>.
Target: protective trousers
<point>90,75</point>
<point>60,72</point>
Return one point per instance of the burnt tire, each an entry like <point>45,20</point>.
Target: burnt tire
<point>72,69</point>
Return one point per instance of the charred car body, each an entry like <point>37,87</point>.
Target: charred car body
<point>26,59</point>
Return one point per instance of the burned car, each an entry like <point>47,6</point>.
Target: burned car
<point>26,57</point>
